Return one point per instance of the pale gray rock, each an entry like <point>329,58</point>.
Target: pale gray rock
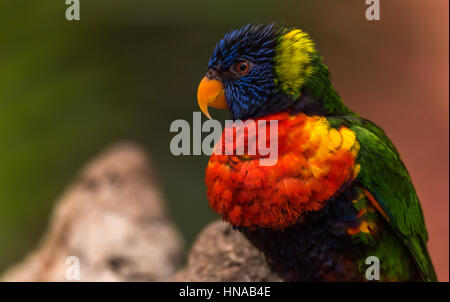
<point>113,218</point>
<point>222,254</point>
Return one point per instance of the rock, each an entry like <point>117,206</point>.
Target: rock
<point>113,219</point>
<point>222,254</point>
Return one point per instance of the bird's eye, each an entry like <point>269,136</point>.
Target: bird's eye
<point>242,67</point>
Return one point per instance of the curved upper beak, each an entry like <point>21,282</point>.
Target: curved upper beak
<point>210,93</point>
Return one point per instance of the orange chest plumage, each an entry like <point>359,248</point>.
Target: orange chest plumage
<point>314,161</point>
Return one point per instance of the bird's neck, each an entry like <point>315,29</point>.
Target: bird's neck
<point>319,96</point>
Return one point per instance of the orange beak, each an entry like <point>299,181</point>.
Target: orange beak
<point>210,94</point>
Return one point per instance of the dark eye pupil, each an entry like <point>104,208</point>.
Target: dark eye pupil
<point>243,67</point>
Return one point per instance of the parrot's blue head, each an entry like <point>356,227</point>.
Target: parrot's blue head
<point>262,69</point>
<point>242,61</point>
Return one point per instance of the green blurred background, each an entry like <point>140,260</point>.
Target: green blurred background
<point>129,68</point>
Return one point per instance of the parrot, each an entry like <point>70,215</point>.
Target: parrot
<point>339,200</point>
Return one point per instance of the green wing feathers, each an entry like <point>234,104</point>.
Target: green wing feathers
<point>384,175</point>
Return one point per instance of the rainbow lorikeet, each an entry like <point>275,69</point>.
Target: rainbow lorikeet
<point>338,192</point>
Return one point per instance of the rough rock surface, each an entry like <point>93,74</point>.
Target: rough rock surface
<point>222,254</point>
<point>114,220</point>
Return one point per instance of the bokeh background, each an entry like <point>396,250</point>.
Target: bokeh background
<point>129,68</point>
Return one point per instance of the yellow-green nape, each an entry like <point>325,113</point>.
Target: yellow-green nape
<point>292,60</point>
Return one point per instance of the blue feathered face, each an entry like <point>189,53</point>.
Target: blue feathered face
<point>243,62</point>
